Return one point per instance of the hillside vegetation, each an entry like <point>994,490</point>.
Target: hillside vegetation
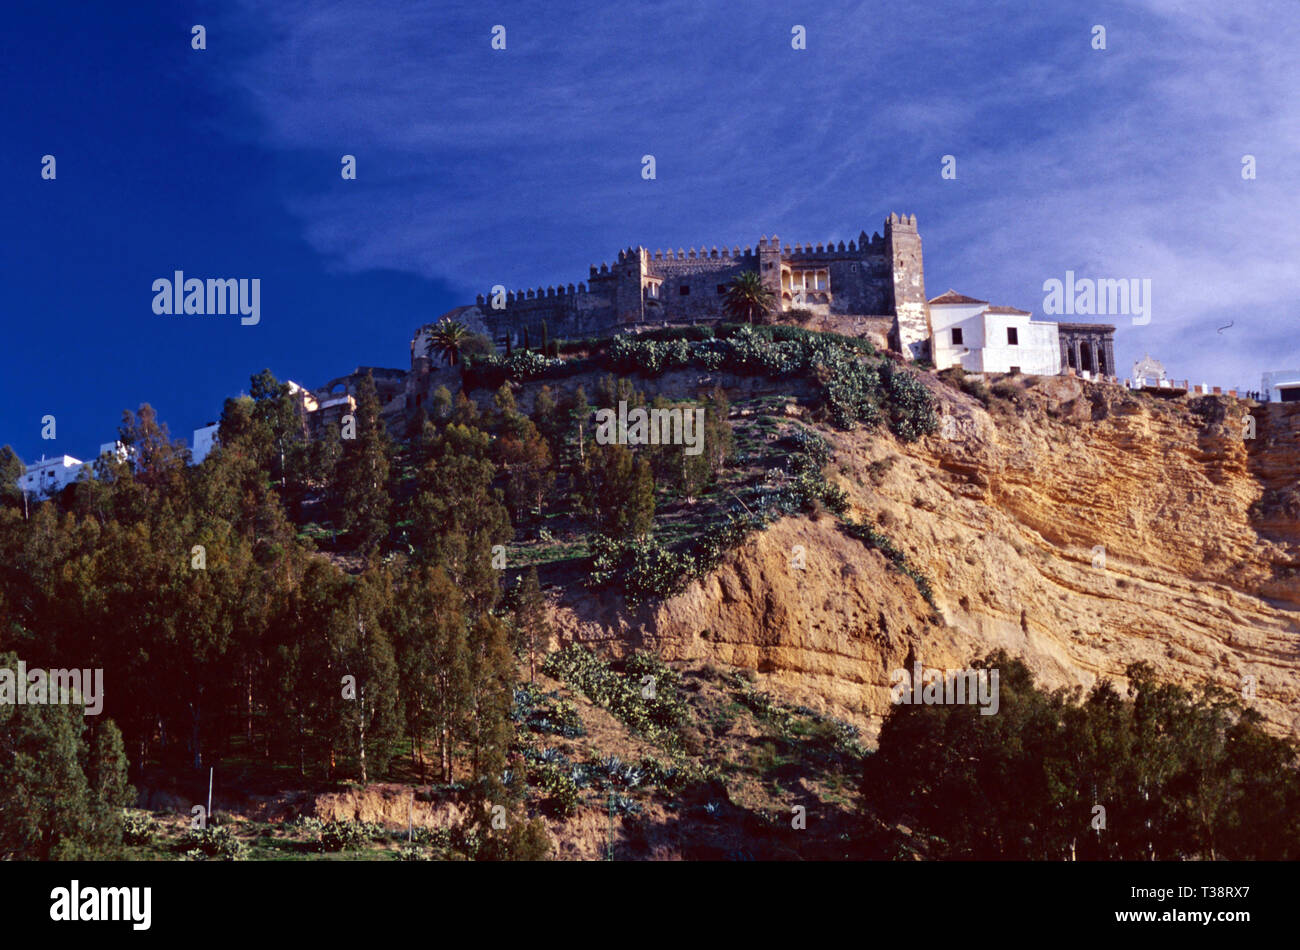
<point>380,643</point>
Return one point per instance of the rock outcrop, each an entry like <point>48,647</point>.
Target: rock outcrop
<point>1080,526</point>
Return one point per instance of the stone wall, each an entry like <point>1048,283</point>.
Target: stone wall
<point>876,275</point>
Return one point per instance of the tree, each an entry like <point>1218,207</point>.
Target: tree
<point>531,620</point>
<point>360,649</point>
<point>525,458</point>
<point>616,490</point>
<point>286,429</point>
<point>456,516</point>
<point>576,429</point>
<point>447,340</point>
<point>360,487</point>
<point>50,809</point>
<point>159,461</point>
<point>1182,774</point>
<point>546,416</point>
<point>747,297</point>
<point>11,469</point>
<point>433,664</point>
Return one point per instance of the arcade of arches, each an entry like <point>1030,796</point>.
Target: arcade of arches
<point>1087,347</point>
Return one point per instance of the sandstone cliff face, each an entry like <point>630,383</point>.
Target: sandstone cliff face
<point>1079,526</point>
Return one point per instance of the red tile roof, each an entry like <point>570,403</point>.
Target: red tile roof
<point>951,296</point>
<point>1006,310</point>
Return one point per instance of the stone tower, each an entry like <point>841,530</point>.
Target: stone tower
<point>769,264</point>
<point>910,333</point>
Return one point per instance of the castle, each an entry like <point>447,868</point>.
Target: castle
<point>872,287</point>
<point>876,281</point>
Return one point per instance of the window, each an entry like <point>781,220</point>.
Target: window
<point>1012,339</point>
<point>684,290</point>
<point>956,337</point>
<point>722,288</point>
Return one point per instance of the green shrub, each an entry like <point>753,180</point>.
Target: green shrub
<point>546,713</point>
<point>342,835</point>
<point>210,843</point>
<point>911,407</point>
<point>137,828</point>
<point>658,713</point>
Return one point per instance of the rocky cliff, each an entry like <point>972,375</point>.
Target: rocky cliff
<point>1080,526</point>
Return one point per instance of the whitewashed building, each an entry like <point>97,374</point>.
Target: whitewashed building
<point>1282,385</point>
<point>205,440</point>
<point>49,476</point>
<point>980,338</point>
<point>1149,372</point>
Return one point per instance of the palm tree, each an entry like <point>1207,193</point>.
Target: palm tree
<point>447,339</point>
<point>747,296</point>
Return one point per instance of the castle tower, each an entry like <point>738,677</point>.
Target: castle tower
<point>910,332</point>
<point>629,273</point>
<point>769,264</point>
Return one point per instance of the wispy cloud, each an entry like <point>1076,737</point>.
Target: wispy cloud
<point>523,167</point>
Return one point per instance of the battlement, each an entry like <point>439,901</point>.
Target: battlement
<point>865,275</point>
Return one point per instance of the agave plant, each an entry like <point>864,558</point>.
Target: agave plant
<point>747,297</point>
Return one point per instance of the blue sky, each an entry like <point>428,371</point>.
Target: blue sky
<point>522,167</point>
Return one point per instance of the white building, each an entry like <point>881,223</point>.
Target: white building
<point>1282,385</point>
<point>980,338</point>
<point>1148,372</point>
<point>205,440</point>
<point>118,449</point>
<point>50,475</point>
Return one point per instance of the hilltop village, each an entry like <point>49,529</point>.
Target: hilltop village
<point>872,287</point>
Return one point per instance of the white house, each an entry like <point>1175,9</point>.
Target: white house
<point>984,339</point>
<point>50,475</point>
<point>1282,385</point>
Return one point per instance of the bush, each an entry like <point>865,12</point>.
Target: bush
<point>658,713</point>
<point>641,567</point>
<point>137,828</point>
<point>546,713</point>
<point>342,835</point>
<point>210,843</point>
<point>911,407</point>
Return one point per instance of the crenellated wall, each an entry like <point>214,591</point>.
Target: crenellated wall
<point>872,276</point>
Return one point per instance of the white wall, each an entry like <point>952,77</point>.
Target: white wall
<point>1036,352</point>
<point>944,318</point>
<point>1273,381</point>
<point>205,440</point>
<point>50,475</point>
